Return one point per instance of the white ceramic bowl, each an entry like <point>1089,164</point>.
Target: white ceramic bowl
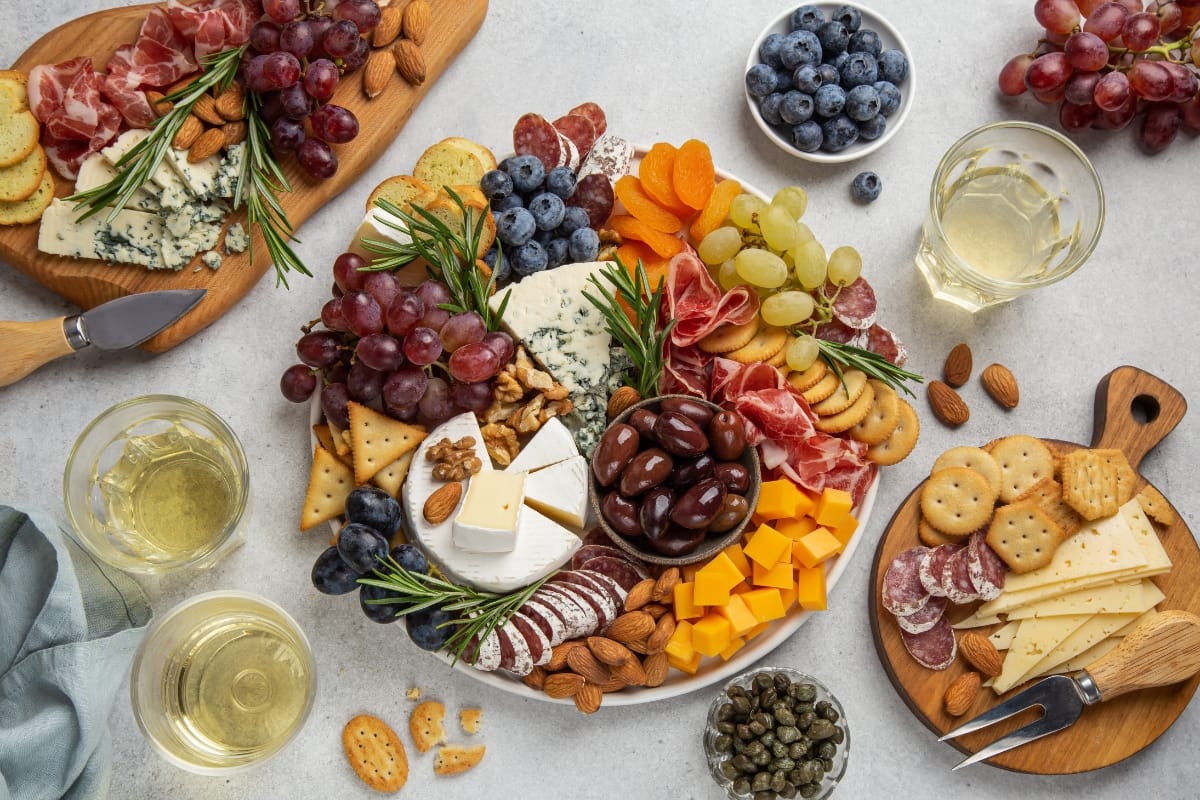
<point>891,40</point>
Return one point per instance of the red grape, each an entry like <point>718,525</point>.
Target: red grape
<point>317,159</point>
<point>1075,118</point>
<point>474,362</point>
<point>255,77</point>
<point>435,407</point>
<point>1088,7</point>
<point>363,383</point>
<point>462,329</point>
<point>1012,75</point>
<point>346,271</point>
<point>1133,6</point>
<point>1159,126</point>
<point>334,124</point>
<point>333,402</point>
<point>282,10</point>
<point>422,346</point>
<point>296,38</point>
<point>1140,31</point>
<point>272,108</point>
<point>1190,113</point>
<point>358,56</point>
<point>341,39</point>
<point>1107,21</point>
<point>1087,52</point>
<point>1047,72</point>
<point>1170,17</point>
<point>318,27</point>
<point>1150,80</point>
<point>264,37</point>
<point>472,396</point>
<point>1057,16</point>
<point>502,344</point>
<point>1081,88</point>
<point>281,69</point>
<point>295,101</point>
<point>405,386</point>
<point>298,383</point>
<point>435,318</point>
<point>362,313</point>
<point>321,79</point>
<point>1183,82</point>
<point>379,351</point>
<point>331,314</point>
<point>319,348</point>
<point>383,286</point>
<point>1112,91</point>
<point>405,312</point>
<point>286,134</point>
<point>1051,96</point>
<point>1119,117</point>
<point>364,14</point>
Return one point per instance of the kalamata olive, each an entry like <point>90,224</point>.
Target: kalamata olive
<point>679,435</point>
<point>733,510</point>
<point>643,421</point>
<point>689,472</point>
<point>734,475</point>
<point>694,410</point>
<point>699,505</point>
<point>676,541</point>
<point>648,469</point>
<point>727,434</point>
<point>655,511</point>
<point>616,449</point>
<point>621,514</point>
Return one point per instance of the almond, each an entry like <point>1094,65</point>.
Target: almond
<point>209,144</point>
<point>409,62</point>
<point>181,84</point>
<point>632,626</point>
<point>377,72</point>
<point>561,685</point>
<point>613,684</point>
<point>157,103</point>
<point>664,587</point>
<point>388,28</point>
<point>639,595</point>
<point>655,610</point>
<point>961,694</point>
<point>663,631</point>
<point>582,662</point>
<point>558,654</point>
<point>536,678</point>
<point>440,504</point>
<point>947,405</point>
<point>656,666</point>
<point>188,133</point>
<point>621,400</point>
<point>957,369</point>
<point>588,698</point>
<point>205,108</point>
<point>229,104</point>
<point>235,132</point>
<point>631,672</point>
<point>978,651</point>
<point>999,382</point>
<point>415,21</point>
<point>608,651</point>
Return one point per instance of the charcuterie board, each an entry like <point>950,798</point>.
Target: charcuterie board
<point>1134,411</point>
<point>88,283</point>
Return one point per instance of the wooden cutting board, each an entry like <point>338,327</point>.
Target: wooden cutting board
<point>1134,412</point>
<point>87,282</point>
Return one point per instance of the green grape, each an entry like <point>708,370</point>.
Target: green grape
<point>793,198</point>
<point>743,210</point>
<point>802,352</point>
<point>727,275</point>
<point>778,227</point>
<point>804,234</point>
<point>786,309</point>
<point>809,264</point>
<point>845,265</point>
<point>761,268</point>
<point>720,245</point>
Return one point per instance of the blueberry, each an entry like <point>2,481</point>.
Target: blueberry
<point>807,78</point>
<point>332,575</point>
<point>410,558</point>
<point>375,508</point>
<point>561,181</point>
<point>543,237</point>
<point>865,41</point>
<point>807,18</point>
<point>796,107</point>
<point>584,245</point>
<point>529,258</point>
<point>872,128</point>
<point>829,74</point>
<point>783,80</point>
<point>548,210</point>
<point>761,80</point>
<point>428,628</point>
<point>838,62</point>
<point>527,172</point>
<point>865,187</point>
<point>800,47</point>
<point>889,97</point>
<point>849,16</point>
<point>769,108</point>
<point>515,227</point>
<point>502,269</point>
<point>573,219</point>
<point>829,100</point>
<point>382,612</point>
<point>807,137</point>
<point>860,69</point>
<point>496,184</point>
<point>361,547</point>
<point>833,37</point>
<point>491,256</point>
<point>862,103</point>
<point>557,251</point>
<point>504,203</point>
<point>893,66</point>
<point>839,132</point>
<point>768,51</point>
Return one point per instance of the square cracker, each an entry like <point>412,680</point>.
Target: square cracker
<point>1089,481</point>
<point>1047,494</point>
<point>1156,506</point>
<point>391,477</point>
<point>377,440</point>
<point>329,484</point>
<point>1114,459</point>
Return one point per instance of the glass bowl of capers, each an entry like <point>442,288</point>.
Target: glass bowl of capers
<point>776,732</point>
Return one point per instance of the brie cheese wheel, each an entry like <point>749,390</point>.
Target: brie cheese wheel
<point>491,512</point>
<point>560,491</point>
<point>379,224</point>
<point>550,445</point>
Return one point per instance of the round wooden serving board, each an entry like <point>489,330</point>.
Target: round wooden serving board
<point>1134,412</point>
<point>88,283</point>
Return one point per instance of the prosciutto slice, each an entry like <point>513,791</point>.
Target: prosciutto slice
<point>697,303</point>
<point>213,25</point>
<point>66,98</point>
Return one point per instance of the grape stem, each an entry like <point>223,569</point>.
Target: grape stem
<point>1165,49</point>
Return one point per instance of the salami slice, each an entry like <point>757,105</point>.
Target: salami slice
<point>986,569</point>
<point>956,579</point>
<point>610,156</point>
<point>926,618</point>
<point>485,655</point>
<point>934,648</point>
<point>582,588</point>
<point>590,622</point>
<point>580,130</point>
<point>621,570</point>
<point>594,113</point>
<point>903,593</point>
<point>931,568</point>
<point>534,135</point>
<point>855,304</point>
<point>547,619</point>
<point>538,644</point>
<point>594,194</point>
<point>590,551</point>
<point>568,153</point>
<point>508,654</point>
<point>596,536</point>
<point>836,331</point>
<point>575,620</point>
<point>882,341</point>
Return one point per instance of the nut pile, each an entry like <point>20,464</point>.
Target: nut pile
<point>949,406</point>
<point>525,399</point>
<point>454,461</point>
<point>217,121</point>
<point>397,40</point>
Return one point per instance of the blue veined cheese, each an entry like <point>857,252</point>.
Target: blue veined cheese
<point>229,170</point>
<point>201,177</point>
<point>95,171</point>
<point>212,260</point>
<point>236,239</point>
<point>179,249</point>
<point>131,237</point>
<point>172,192</point>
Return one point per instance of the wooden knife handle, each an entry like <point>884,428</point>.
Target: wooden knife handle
<point>25,346</point>
<point>1162,650</point>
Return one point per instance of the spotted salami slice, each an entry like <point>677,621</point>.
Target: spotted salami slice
<point>484,656</point>
<point>514,650</point>
<point>903,593</point>
<point>596,536</point>
<point>924,619</point>
<point>580,130</point>
<point>616,591</point>
<point>594,113</point>
<point>589,551</point>
<point>985,567</point>
<point>882,341</point>
<point>534,135</point>
<point>538,643</point>
<point>609,596</point>
<point>931,568</point>
<point>620,569</point>
<point>590,622</point>
<point>575,620</point>
<point>610,156</point>
<point>582,588</point>
<point>934,648</point>
<point>548,620</point>
<point>855,304</point>
<point>836,331</point>
<point>956,579</point>
<point>594,194</point>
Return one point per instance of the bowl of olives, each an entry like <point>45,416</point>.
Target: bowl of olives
<point>776,732</point>
<point>673,480</point>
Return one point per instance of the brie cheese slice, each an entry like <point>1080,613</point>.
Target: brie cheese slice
<point>560,491</point>
<point>491,513</point>
<point>550,445</point>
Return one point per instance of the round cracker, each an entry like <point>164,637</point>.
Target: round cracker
<point>803,381</point>
<point>21,212</point>
<point>975,458</point>
<point>853,384</point>
<point>932,537</point>
<point>896,447</point>
<point>18,137</point>
<point>22,179</point>
<point>882,418</point>
<point>779,360</point>
<point>957,500</point>
<point>727,338</point>
<point>847,418</point>
<point>1024,460</point>
<point>766,343</point>
<point>822,389</point>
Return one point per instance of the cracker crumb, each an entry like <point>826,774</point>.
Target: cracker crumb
<point>470,718</point>
<point>413,693</point>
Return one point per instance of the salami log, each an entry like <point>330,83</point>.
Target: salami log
<point>534,135</point>
<point>594,194</point>
<point>934,648</point>
<point>903,593</point>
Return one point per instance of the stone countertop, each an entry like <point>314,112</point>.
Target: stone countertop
<point>662,71</point>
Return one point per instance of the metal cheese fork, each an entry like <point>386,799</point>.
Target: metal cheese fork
<point>1162,650</point>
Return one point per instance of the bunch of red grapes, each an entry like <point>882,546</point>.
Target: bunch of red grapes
<point>395,347</point>
<point>1109,62</point>
<point>294,62</point>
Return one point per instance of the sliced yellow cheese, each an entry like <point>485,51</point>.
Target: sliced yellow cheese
<point>1121,598</point>
<point>1033,640</point>
<point>1102,648</point>
<point>975,621</point>
<point>1086,636</point>
<point>1101,547</point>
<point>1145,536</point>
<point>1003,637</point>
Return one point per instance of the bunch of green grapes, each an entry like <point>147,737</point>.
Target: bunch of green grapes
<point>765,245</point>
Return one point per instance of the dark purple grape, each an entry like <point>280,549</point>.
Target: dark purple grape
<point>358,56</point>
<point>375,508</point>
<point>501,344</point>
<point>461,329</point>
<point>362,313</point>
<point>255,75</point>
<point>296,102</point>
<point>380,605</point>
<point>296,38</point>
<point>319,348</point>
<point>298,383</point>
<point>405,387</point>
<point>341,39</point>
<point>333,403</point>
<point>332,575</point>
<point>474,362</point>
<point>363,13</point>
<point>286,134</point>
<point>410,558</point>
<point>338,373</point>
<point>433,293</point>
<point>379,351</point>
<point>383,286</point>
<point>317,159</point>
<point>1159,126</point>
<point>281,69</point>
<point>271,109</point>
<point>429,628</point>
<point>264,37</point>
<point>405,312</point>
<point>346,271</point>
<point>364,383</point>
<point>436,406</point>
<point>334,124</point>
<point>282,10</point>
<point>317,26</point>
<point>361,546</point>
<point>422,346</point>
<point>472,396</point>
<point>331,313</point>
<point>321,79</point>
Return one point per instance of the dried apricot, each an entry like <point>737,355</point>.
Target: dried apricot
<point>694,174</point>
<point>715,210</point>
<point>631,227</point>
<point>631,251</point>
<point>633,196</point>
<point>657,170</point>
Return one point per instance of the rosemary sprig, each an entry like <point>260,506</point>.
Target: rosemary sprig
<point>641,337</point>
<point>448,253</point>
<point>477,613</point>
<point>838,355</point>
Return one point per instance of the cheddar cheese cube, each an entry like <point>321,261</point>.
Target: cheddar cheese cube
<point>756,630</point>
<point>691,666</point>
<point>781,499</point>
<point>711,589</point>
<point>685,602</point>
<point>779,576</point>
<point>845,531</point>
<point>766,604</point>
<point>735,554</point>
<point>810,588</point>
<point>723,569</point>
<point>815,547</point>
<point>733,647</point>
<point>767,546</point>
<point>711,634</point>
<point>787,595</point>
<point>832,507</point>
<point>796,528</point>
<point>738,614</point>
<point>680,644</point>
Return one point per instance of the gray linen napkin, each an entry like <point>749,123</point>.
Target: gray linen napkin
<point>68,629</point>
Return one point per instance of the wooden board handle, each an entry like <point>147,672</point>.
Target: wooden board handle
<point>1163,650</point>
<point>25,346</point>
<point>1135,411</point>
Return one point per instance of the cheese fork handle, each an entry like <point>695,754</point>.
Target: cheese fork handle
<point>1159,652</point>
<point>25,346</point>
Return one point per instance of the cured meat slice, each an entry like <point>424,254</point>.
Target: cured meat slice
<point>568,153</point>
<point>590,551</point>
<point>534,135</point>
<point>934,648</point>
<point>548,620</point>
<point>903,593</point>
<point>986,568</point>
<point>685,371</point>
<point>698,305</point>
<point>76,120</point>
<point>623,571</point>
<point>596,536</point>
<point>65,155</point>
<point>931,568</point>
<point>580,130</point>
<point>855,304</point>
<point>535,640</point>
<point>882,341</point>
<point>594,113</point>
<point>594,194</point>
<point>484,655</point>
<point>610,156</point>
<point>582,598</point>
<point>514,650</point>
<point>592,592</point>
<point>956,579</point>
<point>924,619</point>
<point>575,619</point>
<point>836,331</point>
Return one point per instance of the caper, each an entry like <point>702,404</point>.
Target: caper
<point>830,713</point>
<point>805,773</point>
<point>784,716</point>
<point>768,739</point>
<point>809,789</point>
<point>765,795</point>
<point>735,691</point>
<point>806,693</point>
<point>806,719</point>
<point>753,748</point>
<point>828,764</point>
<point>738,744</point>
<point>741,704</point>
<point>823,707</point>
<point>787,733</point>
<point>723,743</point>
<point>727,727</point>
<point>743,731</point>
<point>788,791</point>
<point>729,770</point>
<point>826,749</point>
<point>839,735</point>
<point>802,707</point>
<point>764,719</point>
<point>760,782</point>
<point>821,729</point>
<point>741,786</point>
<point>798,750</point>
<point>786,764</point>
<point>782,682</point>
<point>818,768</point>
<point>777,781</point>
<point>762,681</point>
<point>758,729</point>
<point>754,703</point>
<point>725,712</point>
<point>762,759</point>
<point>804,740</point>
<point>768,698</point>
<point>743,763</point>
<point>794,776</point>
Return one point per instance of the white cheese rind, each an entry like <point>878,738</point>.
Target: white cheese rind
<point>560,491</point>
<point>550,445</point>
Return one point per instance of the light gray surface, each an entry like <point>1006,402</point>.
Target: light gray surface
<point>663,71</point>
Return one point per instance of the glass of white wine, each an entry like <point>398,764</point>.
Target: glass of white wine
<point>1013,206</point>
<point>222,682</point>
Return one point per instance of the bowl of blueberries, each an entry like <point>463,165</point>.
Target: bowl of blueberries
<point>829,82</point>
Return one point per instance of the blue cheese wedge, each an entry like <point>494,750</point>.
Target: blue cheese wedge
<point>491,513</point>
<point>95,171</point>
<point>201,177</point>
<point>172,192</point>
<point>236,239</point>
<point>131,237</point>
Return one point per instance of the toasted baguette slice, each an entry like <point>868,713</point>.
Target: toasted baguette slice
<point>454,161</point>
<point>22,179</point>
<point>20,212</point>
<point>402,190</point>
<point>446,210</point>
<point>19,131</point>
<point>14,82</point>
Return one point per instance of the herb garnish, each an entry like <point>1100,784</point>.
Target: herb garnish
<point>641,337</point>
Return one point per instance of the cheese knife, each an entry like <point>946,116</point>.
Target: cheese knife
<point>116,325</point>
<point>1163,650</point>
